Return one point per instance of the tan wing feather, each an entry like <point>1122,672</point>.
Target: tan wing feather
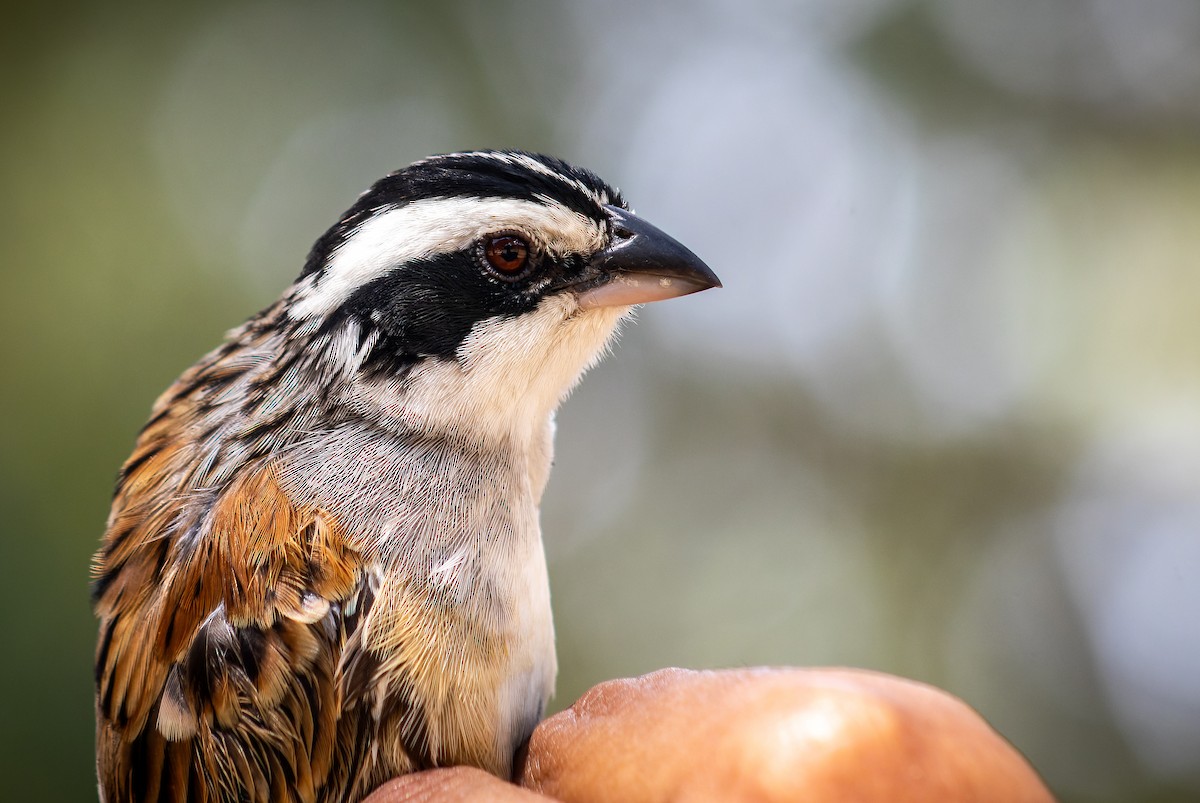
<point>216,666</point>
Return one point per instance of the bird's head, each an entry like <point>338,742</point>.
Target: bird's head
<point>467,293</point>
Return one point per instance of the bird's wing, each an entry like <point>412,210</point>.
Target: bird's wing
<point>221,629</point>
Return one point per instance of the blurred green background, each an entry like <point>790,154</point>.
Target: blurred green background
<point>943,421</point>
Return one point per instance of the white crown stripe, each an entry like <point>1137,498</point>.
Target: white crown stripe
<point>528,162</point>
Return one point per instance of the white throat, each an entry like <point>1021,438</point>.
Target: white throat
<point>509,376</point>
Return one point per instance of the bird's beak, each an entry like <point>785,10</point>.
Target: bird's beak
<point>642,264</point>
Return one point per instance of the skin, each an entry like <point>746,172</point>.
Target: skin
<point>753,735</point>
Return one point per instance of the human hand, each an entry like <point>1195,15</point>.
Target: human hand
<point>753,734</point>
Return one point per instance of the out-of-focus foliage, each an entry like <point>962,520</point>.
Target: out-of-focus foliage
<point>944,420</point>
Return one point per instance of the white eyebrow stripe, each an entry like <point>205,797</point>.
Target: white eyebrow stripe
<point>433,226</point>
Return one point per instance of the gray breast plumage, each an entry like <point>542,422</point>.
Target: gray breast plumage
<point>460,618</point>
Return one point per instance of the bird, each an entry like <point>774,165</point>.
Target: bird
<point>323,565</point>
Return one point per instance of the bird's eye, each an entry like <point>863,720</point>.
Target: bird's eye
<point>507,255</point>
